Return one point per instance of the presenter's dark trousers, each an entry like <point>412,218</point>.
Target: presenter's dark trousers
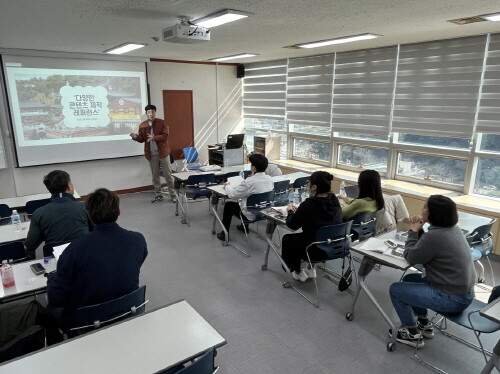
<point>293,251</point>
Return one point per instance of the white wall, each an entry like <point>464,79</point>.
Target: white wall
<point>132,172</point>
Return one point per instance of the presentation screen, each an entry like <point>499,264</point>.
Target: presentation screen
<point>66,110</point>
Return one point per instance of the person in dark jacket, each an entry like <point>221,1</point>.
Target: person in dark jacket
<point>62,220</point>
<point>100,266</point>
<point>321,209</point>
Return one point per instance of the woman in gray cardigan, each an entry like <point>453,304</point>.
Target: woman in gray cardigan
<point>448,284</point>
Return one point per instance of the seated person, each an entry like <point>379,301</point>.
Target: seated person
<point>100,266</point>
<point>370,197</point>
<point>321,209</point>
<point>259,182</point>
<point>273,170</point>
<point>448,284</point>
<point>62,220</point>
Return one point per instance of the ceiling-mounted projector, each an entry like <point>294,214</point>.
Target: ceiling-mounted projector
<point>185,33</point>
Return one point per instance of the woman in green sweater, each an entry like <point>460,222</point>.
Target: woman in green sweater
<point>370,197</point>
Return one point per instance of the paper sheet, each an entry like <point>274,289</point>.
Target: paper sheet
<point>59,250</point>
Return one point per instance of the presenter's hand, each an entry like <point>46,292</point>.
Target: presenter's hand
<point>416,223</point>
<point>133,136</point>
<point>150,137</point>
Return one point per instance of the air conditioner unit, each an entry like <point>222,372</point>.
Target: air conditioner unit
<point>185,34</point>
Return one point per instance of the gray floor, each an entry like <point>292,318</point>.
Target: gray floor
<point>270,329</point>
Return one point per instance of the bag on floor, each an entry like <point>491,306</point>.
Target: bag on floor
<point>346,277</point>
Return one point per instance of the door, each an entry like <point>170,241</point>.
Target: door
<point>178,112</point>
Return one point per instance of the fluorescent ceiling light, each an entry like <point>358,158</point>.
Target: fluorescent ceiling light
<point>220,18</point>
<point>241,55</point>
<point>491,17</point>
<point>342,40</point>
<point>124,48</point>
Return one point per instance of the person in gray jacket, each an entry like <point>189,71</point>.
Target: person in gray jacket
<point>448,284</point>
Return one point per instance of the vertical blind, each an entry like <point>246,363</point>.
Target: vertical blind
<point>438,86</point>
<point>309,90</point>
<point>264,90</point>
<point>363,91</point>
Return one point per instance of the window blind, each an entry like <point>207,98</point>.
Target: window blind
<point>264,90</point>
<point>309,90</point>
<point>363,91</point>
<point>438,87</point>
<point>489,109</point>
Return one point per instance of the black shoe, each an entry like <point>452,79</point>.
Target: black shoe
<point>425,328</point>
<point>221,236</point>
<point>240,228</point>
<point>403,335</point>
<point>157,198</point>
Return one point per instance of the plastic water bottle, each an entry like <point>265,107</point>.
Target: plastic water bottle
<point>291,197</point>
<point>7,275</point>
<point>296,197</point>
<point>342,192</point>
<point>242,174</point>
<point>305,194</point>
<point>16,221</point>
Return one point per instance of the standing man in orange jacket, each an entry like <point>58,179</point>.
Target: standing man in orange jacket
<point>154,134</point>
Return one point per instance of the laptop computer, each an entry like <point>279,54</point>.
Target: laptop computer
<point>235,141</point>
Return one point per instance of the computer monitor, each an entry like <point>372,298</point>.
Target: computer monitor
<point>235,141</point>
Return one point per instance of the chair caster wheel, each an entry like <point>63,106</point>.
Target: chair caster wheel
<point>481,280</point>
<point>391,347</point>
<point>264,267</point>
<point>213,232</point>
<point>349,316</point>
<point>286,284</point>
<point>176,214</point>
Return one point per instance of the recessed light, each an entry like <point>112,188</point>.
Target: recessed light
<point>233,57</point>
<point>491,17</point>
<point>342,40</point>
<point>124,48</point>
<point>220,18</point>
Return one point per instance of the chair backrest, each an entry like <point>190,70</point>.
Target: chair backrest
<point>281,192</point>
<point>190,154</point>
<point>5,213</point>
<point>334,239</point>
<point>201,180</point>
<point>258,202</point>
<point>48,248</point>
<point>202,365</point>
<point>33,205</point>
<point>482,233</point>
<point>364,225</point>
<point>230,175</point>
<point>246,173</point>
<point>495,294</point>
<point>12,251</point>
<point>301,182</point>
<point>91,317</point>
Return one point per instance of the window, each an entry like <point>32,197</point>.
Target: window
<point>434,141</point>
<point>311,130</point>
<point>488,177</point>
<point>249,141</point>
<point>362,157</point>
<point>490,143</point>
<point>381,138</point>
<point>265,124</point>
<point>312,150</point>
<point>432,168</point>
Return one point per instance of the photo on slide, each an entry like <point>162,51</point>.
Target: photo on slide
<point>56,106</point>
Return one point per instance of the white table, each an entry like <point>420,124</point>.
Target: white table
<point>19,202</point>
<point>7,233</point>
<point>27,283</point>
<point>145,344</point>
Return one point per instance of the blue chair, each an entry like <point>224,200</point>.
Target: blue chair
<point>281,192</point>
<point>88,318</point>
<point>202,365</point>
<point>246,173</point>
<point>471,320</point>
<point>191,157</point>
<point>481,242</point>
<point>13,251</point>
<point>196,187</point>
<point>33,205</point>
<point>230,175</point>
<point>334,241</point>
<point>301,182</point>
<point>5,213</point>
<point>363,225</point>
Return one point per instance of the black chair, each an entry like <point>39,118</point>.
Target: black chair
<point>13,251</point>
<point>246,173</point>
<point>48,248</point>
<point>5,213</point>
<point>363,225</point>
<point>33,205</point>
<point>481,242</point>
<point>202,365</point>
<point>301,182</point>
<point>229,175</point>
<point>281,192</point>
<point>92,317</point>
<point>194,188</point>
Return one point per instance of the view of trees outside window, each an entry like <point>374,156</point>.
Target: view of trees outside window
<point>440,169</point>
<point>490,143</point>
<point>312,150</point>
<point>488,177</point>
<point>308,129</point>
<point>362,157</point>
<point>437,141</point>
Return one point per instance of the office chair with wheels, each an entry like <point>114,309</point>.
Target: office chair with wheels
<point>301,182</point>
<point>481,242</point>
<point>470,319</point>
<point>33,205</point>
<point>363,225</point>
<point>191,157</point>
<point>202,365</point>
<point>196,187</point>
<point>92,317</point>
<point>5,213</point>
<point>13,251</point>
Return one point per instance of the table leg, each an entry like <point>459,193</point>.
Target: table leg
<point>270,228</point>
<point>494,361</point>
<point>215,206</point>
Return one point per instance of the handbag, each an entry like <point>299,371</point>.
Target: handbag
<point>346,277</point>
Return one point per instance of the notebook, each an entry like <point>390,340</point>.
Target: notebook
<point>235,181</point>
<point>391,247</point>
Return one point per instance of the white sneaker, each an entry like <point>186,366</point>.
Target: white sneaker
<point>310,272</point>
<point>302,276</point>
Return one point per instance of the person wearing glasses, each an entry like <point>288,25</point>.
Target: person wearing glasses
<point>321,209</point>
